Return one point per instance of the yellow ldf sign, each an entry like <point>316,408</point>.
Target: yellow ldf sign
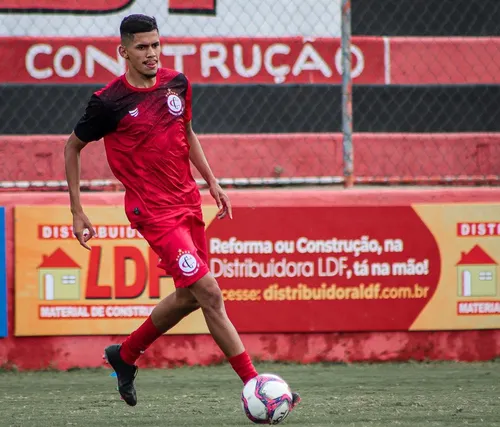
<point>64,289</point>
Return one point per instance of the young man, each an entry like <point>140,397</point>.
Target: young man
<point>144,117</point>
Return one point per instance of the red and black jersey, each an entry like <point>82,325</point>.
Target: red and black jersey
<point>144,132</point>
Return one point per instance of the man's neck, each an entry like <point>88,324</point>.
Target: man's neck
<point>139,81</point>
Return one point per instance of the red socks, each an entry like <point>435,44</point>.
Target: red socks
<point>138,341</point>
<point>243,366</point>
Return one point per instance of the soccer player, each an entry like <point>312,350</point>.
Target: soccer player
<point>144,118</point>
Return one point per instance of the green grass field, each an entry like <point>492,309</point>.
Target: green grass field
<point>408,394</point>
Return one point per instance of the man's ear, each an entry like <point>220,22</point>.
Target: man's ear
<point>122,50</point>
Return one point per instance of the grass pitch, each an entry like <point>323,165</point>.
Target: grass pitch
<point>374,395</point>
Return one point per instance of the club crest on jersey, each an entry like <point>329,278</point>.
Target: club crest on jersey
<point>174,103</point>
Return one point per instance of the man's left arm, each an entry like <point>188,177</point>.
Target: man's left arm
<point>200,162</point>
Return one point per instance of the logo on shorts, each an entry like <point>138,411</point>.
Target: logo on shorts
<point>187,263</point>
<point>174,103</point>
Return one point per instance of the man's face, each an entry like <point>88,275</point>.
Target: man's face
<point>143,53</point>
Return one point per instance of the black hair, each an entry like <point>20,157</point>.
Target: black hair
<point>136,24</point>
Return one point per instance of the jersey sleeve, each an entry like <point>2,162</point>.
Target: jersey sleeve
<point>95,122</point>
<point>188,111</point>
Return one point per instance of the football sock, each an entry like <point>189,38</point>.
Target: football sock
<point>243,367</point>
<point>138,341</point>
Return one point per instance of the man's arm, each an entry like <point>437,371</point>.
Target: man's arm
<point>72,151</point>
<point>200,162</point>
<point>197,156</point>
<point>72,166</point>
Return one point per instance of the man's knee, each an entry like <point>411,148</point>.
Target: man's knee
<point>187,300</point>
<point>208,294</point>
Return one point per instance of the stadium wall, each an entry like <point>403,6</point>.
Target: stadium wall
<point>229,109</point>
<point>66,352</point>
<point>416,116</point>
<point>382,155</point>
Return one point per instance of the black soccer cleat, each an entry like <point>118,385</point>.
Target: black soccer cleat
<point>125,374</point>
<point>295,399</point>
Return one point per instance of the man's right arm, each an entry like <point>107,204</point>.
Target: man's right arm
<point>72,150</point>
<point>72,166</point>
<point>92,126</point>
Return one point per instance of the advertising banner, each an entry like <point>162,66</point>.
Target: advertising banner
<point>236,42</point>
<point>266,60</point>
<point>3,276</point>
<point>421,267</point>
<point>281,269</point>
<point>64,289</point>
<point>67,6</point>
<point>205,60</point>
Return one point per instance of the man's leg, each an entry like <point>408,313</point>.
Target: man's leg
<point>170,311</point>
<point>209,296</point>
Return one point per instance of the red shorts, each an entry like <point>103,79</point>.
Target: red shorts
<point>181,244</point>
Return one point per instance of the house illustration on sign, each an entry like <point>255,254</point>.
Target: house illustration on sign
<point>58,277</point>
<point>477,274</point>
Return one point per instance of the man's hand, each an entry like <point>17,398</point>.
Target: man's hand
<point>80,224</point>
<point>222,200</point>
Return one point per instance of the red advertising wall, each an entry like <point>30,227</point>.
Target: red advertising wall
<point>362,329</point>
<point>375,60</point>
<point>40,157</point>
<point>99,6</point>
<point>69,5</point>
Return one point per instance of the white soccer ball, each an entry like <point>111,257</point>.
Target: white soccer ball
<point>266,399</point>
